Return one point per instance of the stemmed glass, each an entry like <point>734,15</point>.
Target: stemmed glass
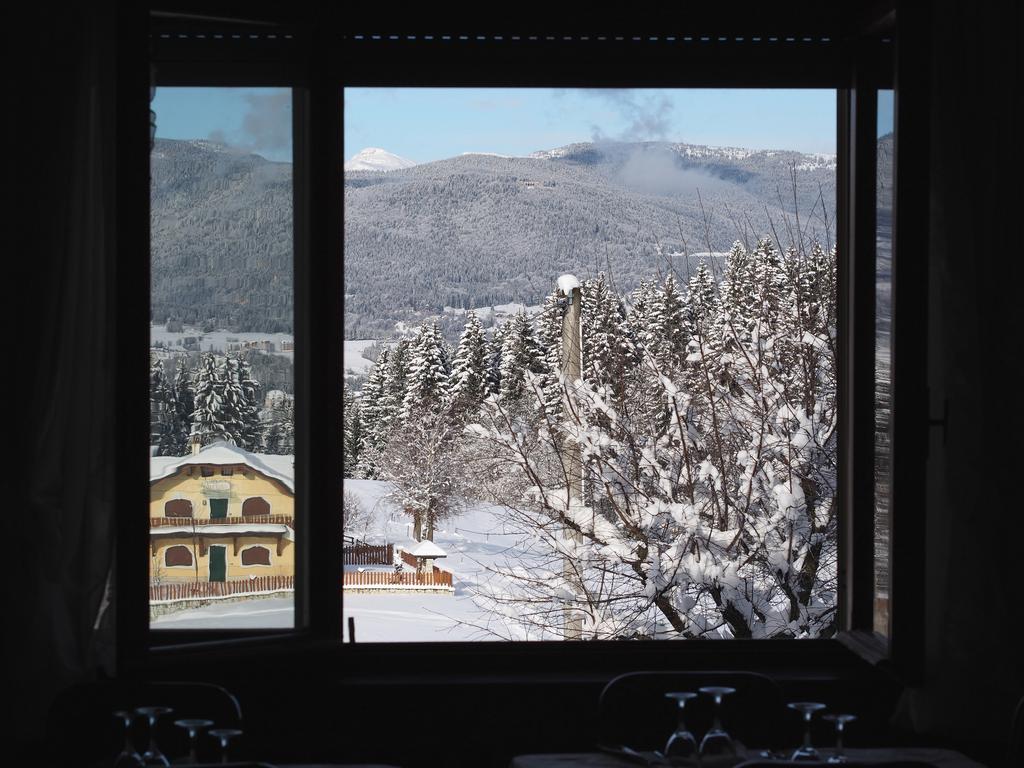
<point>806,709</point>
<point>153,756</point>
<point>128,758</point>
<point>717,741</point>
<point>682,743</point>
<point>840,722</point>
<point>224,735</point>
<point>194,726</point>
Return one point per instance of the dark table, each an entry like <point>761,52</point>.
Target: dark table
<point>941,758</point>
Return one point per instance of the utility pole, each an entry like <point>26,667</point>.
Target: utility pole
<point>571,369</point>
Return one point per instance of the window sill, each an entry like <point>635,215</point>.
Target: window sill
<point>226,657</point>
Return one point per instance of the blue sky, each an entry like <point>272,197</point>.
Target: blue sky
<point>424,124</point>
<point>252,119</point>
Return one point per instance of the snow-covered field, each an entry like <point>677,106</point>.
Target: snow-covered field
<point>219,340</point>
<point>502,312</point>
<point>473,541</point>
<point>268,613</point>
<point>354,361</point>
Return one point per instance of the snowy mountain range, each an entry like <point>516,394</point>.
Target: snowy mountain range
<point>472,230</point>
<point>374,159</point>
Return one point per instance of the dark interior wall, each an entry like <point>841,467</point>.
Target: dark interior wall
<point>62,318</point>
<point>974,599</point>
<point>972,595</point>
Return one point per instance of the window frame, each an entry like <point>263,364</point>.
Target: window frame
<point>317,71</point>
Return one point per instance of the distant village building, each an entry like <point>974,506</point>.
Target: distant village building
<point>287,346</point>
<point>221,514</point>
<point>262,345</point>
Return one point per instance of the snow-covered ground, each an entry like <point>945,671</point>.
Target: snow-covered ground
<point>219,340</point>
<point>354,361</point>
<point>502,312</point>
<point>474,540</point>
<point>268,613</point>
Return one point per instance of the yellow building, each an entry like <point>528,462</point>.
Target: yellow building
<point>221,514</point>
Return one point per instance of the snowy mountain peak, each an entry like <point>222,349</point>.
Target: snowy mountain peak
<point>375,159</point>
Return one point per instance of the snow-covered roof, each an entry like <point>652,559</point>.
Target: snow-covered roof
<point>427,548</point>
<point>567,282</point>
<point>221,453</point>
<point>223,530</point>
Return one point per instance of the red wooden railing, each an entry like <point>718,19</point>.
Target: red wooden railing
<point>438,578</point>
<point>369,554</point>
<point>408,559</point>
<point>197,590</point>
<point>289,520</point>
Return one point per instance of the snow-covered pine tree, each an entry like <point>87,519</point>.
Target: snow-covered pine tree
<point>207,417</point>
<point>396,375</point>
<point>724,522</point>
<point>519,354</point>
<point>286,426</point>
<point>668,326</point>
<point>272,436</point>
<point>607,350</point>
<point>160,405</point>
<point>251,433</point>
<point>352,433</point>
<point>467,385</point>
<point>493,356</point>
<point>642,302</point>
<point>233,400</point>
<point>549,341</point>
<point>180,425</point>
<point>373,430</point>
<point>701,301</point>
<point>426,384</point>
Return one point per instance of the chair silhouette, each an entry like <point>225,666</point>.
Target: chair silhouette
<point>81,729</point>
<point>634,712</point>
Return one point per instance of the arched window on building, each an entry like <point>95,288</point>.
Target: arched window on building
<point>256,556</point>
<point>178,508</point>
<point>177,555</point>
<point>257,505</point>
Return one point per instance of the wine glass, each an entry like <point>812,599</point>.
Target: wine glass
<point>716,741</point>
<point>128,758</point>
<point>806,710</point>
<point>153,756</point>
<point>224,735</point>
<point>840,722</point>
<point>194,726</point>
<point>682,743</point>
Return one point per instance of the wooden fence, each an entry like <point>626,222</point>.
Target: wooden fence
<point>408,559</point>
<point>198,590</point>
<point>188,522</point>
<point>369,554</point>
<point>438,578</point>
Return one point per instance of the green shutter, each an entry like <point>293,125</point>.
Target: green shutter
<point>218,564</point>
<point>218,508</point>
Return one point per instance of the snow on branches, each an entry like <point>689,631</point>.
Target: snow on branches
<point>708,507</point>
<point>705,423</point>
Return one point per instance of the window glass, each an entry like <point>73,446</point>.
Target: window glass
<point>221,352</point>
<point>590,383</point>
<point>885,175</point>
